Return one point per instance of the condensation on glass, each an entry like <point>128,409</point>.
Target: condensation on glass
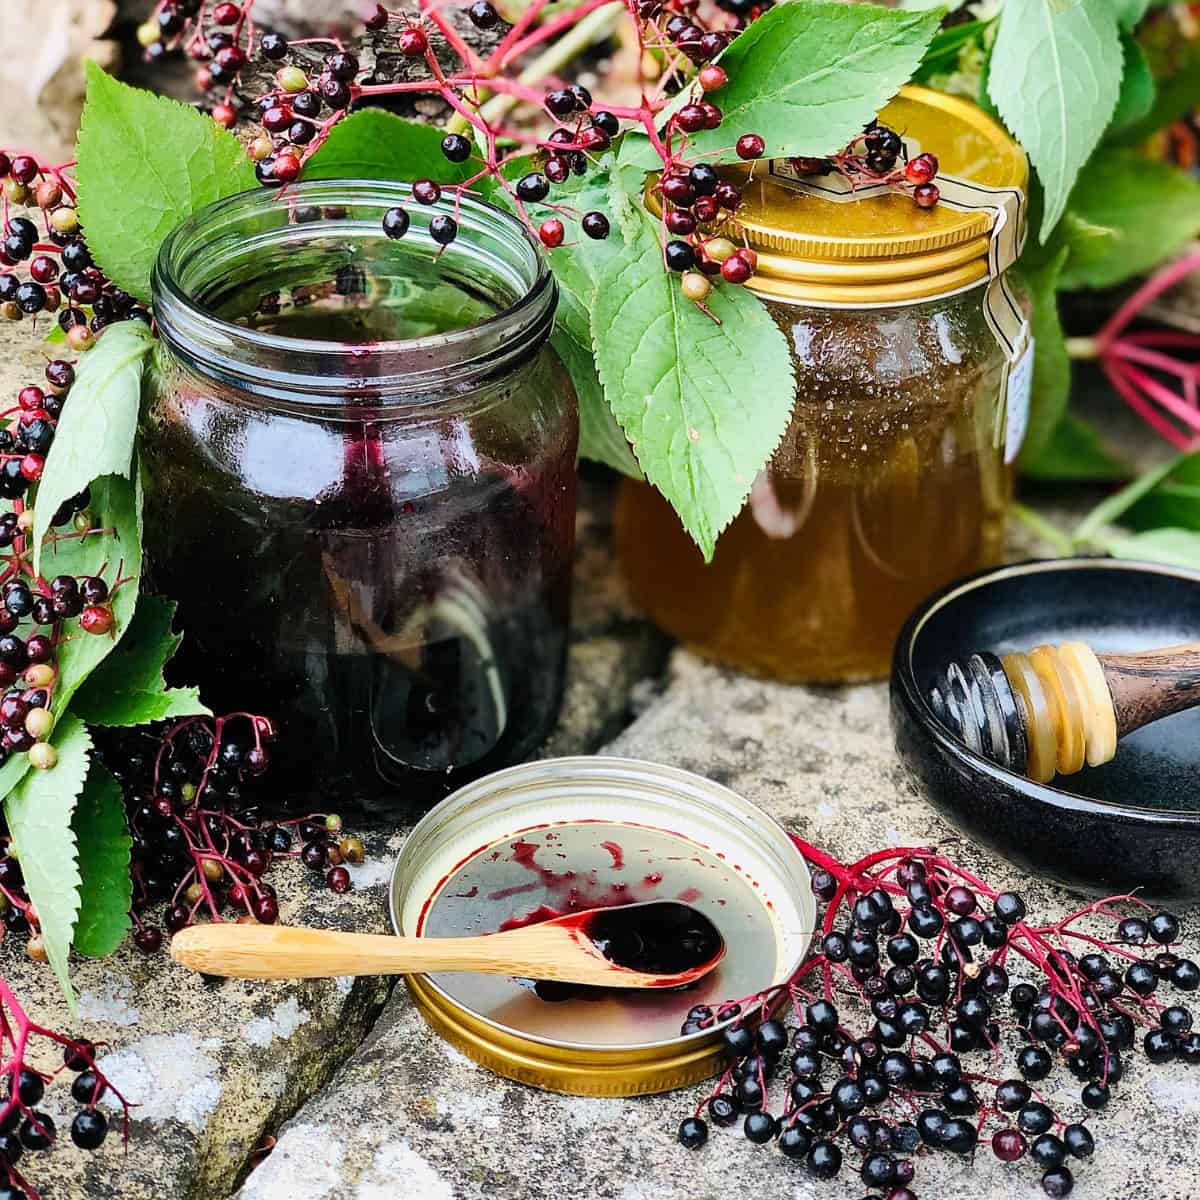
<point>359,459</point>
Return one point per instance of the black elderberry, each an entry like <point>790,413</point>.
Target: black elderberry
<point>958,1135</point>
<point>37,1131</point>
<point>1012,1094</point>
<point>1189,1049</point>
<point>1108,985</point>
<point>1186,975</point>
<point>395,222</point>
<point>31,297</point>
<point>822,1016</point>
<point>1034,1118</point>
<point>1009,907</point>
<point>824,884</point>
<point>1095,1095</point>
<point>795,1142</point>
<point>443,230</point>
<point>863,949</point>
<point>878,1171</point>
<point>897,1069</point>
<point>806,1064</point>
<point>88,1130</point>
<point>1079,1141</point>
<point>1092,965</point>
<point>307,104</point>
<point>1176,1020</point>
<point>824,1160</point>
<point>995,932</point>
<point>1164,928</point>
<point>11,1151</point>
<point>930,1124</point>
<point>835,946</point>
<point>273,46</point>
<point>849,1097</point>
<point>533,187</point>
<point>1058,1182</point>
<point>1141,978</point>
<point>342,65</point>
<point>560,102</point>
<point>607,123</point>
<point>1134,930</point>
<point>483,15</point>
<point>87,1089</point>
<point>1048,1151</point>
<point>772,1038</point>
<point>723,1110</point>
<point>933,984</point>
<point>693,1133</point>
<point>960,1100</point>
<point>456,148</point>
<point>1159,1046</point>
<point>759,1127</point>
<point>925,921</point>
<point>680,256</point>
<point>739,1041</point>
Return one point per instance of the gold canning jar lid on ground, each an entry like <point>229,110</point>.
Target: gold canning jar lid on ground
<point>860,249</point>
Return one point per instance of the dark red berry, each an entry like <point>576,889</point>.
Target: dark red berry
<point>483,15</point>
<point>556,169</point>
<point>338,880</point>
<point>921,169</point>
<point>412,42</point>
<point>712,114</point>
<point>713,78</point>
<point>265,909</point>
<point>707,208</point>
<point>750,145</point>
<point>681,222</point>
<point>24,168</point>
<point>148,939</point>
<point>226,13</point>
<point>595,225</point>
<point>425,191</point>
<point>376,18</point>
<point>691,118</point>
<point>96,619</point>
<point>551,233</point>
<point>926,195</point>
<point>737,268</point>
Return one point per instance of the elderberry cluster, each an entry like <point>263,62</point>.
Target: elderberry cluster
<point>25,1128</point>
<point>928,956</point>
<point>200,841</point>
<point>42,269</point>
<point>879,156</point>
<point>37,614</point>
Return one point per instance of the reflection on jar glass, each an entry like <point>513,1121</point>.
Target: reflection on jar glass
<point>890,480</point>
<point>360,467</point>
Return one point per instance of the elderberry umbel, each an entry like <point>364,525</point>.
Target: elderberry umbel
<point>201,844</point>
<point>921,980</point>
<point>301,90</point>
<point>29,1093</point>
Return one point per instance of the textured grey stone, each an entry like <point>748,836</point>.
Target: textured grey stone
<point>821,760</point>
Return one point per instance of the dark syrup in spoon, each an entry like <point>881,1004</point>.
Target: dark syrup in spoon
<point>663,937</point>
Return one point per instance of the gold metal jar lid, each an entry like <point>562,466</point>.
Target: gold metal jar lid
<point>881,248</point>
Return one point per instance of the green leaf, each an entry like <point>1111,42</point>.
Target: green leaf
<point>144,164</point>
<point>106,890</point>
<point>378,145</point>
<point>703,404</point>
<point>1111,510</point>
<point>116,504</point>
<point>1075,453</point>
<point>1175,547</point>
<point>1176,68</point>
<point>39,814</point>
<point>128,687</point>
<point>947,6</point>
<point>1136,97</point>
<point>1055,75</point>
<point>807,76</point>
<point>95,434</point>
<point>1051,365</point>
<point>1152,208</point>
<point>1130,12</point>
<point>1174,502</point>
<point>947,47</point>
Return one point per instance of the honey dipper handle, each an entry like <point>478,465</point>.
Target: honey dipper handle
<point>1152,684</point>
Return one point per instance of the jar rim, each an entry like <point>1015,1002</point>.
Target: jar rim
<point>401,370</point>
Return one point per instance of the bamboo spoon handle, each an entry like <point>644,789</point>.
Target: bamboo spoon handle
<point>1152,684</point>
<point>282,952</point>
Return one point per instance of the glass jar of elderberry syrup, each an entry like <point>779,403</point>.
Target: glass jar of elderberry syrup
<point>359,462</point>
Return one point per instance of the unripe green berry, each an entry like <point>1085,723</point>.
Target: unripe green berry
<point>333,822</point>
<point>695,286</point>
<point>44,757</point>
<point>38,723</point>
<point>291,80</point>
<point>148,33</point>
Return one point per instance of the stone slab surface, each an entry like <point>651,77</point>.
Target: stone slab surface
<point>429,1123</point>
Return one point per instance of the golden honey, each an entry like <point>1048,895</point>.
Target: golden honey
<point>891,479</point>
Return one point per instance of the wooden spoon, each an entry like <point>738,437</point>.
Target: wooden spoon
<point>656,944</point>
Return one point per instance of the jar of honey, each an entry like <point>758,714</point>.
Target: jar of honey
<point>912,360</point>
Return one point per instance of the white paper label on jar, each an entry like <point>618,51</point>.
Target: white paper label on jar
<point>1020,386</point>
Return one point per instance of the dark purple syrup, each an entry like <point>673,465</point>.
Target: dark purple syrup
<point>394,593</point>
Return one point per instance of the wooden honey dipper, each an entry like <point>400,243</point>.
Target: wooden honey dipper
<point>1050,710</point>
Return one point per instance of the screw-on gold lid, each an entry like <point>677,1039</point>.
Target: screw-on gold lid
<point>881,248</point>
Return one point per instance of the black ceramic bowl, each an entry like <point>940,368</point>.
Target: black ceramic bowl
<point>1132,823</point>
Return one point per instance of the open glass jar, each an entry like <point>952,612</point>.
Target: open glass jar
<point>892,478</point>
<point>359,460</point>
